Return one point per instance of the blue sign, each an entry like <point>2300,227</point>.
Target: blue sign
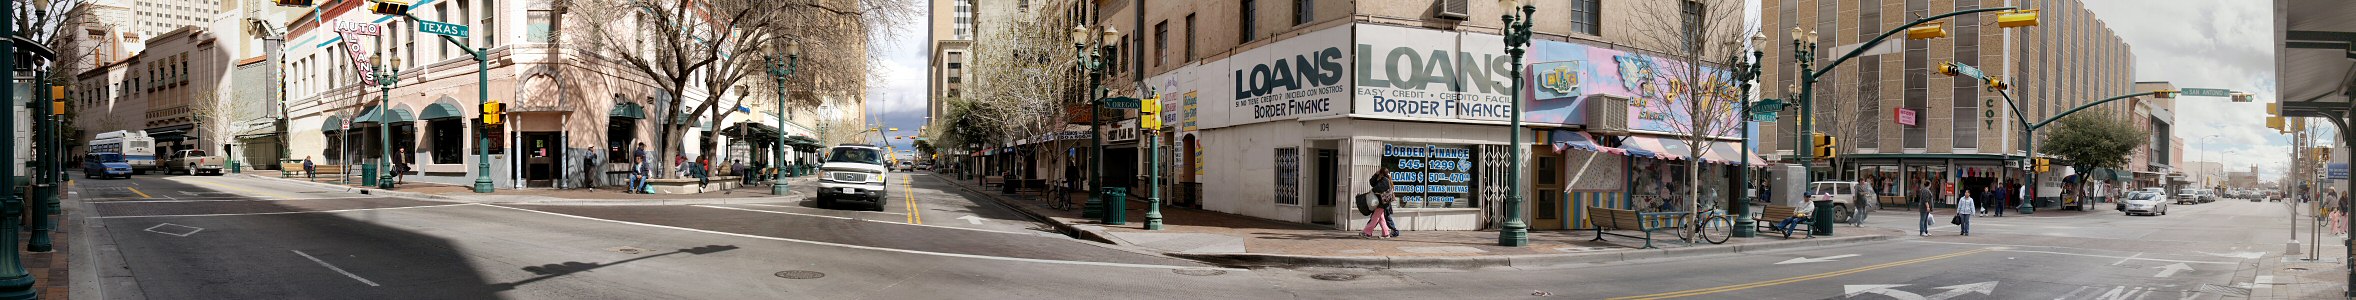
<point>2336,171</point>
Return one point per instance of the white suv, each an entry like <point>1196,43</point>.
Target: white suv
<point>853,172</point>
<point>1842,193</point>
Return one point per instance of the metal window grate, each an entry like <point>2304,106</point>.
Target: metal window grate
<point>1288,175</point>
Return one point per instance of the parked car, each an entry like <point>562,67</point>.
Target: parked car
<point>1843,194</point>
<point>2187,196</point>
<point>105,165</point>
<point>2207,195</point>
<point>2146,203</point>
<point>193,162</point>
<point>853,172</point>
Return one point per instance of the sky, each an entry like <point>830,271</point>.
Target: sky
<point>2208,44</point>
<point>897,96</point>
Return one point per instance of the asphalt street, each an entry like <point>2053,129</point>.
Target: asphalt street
<point>233,237</point>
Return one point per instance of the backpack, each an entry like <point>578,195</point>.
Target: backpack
<point>1365,204</point>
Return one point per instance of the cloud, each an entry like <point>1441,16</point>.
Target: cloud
<point>899,89</point>
<point>2208,44</point>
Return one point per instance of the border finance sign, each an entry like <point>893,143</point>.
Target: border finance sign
<point>1304,76</point>
<point>1432,74</point>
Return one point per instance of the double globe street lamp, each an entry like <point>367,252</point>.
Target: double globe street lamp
<point>1095,60</point>
<point>779,70</point>
<point>387,77</point>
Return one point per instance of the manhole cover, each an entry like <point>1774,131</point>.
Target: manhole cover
<point>1199,272</point>
<point>1334,277</point>
<point>627,250</point>
<point>800,274</point>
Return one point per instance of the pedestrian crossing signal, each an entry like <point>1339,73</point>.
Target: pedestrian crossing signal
<point>491,111</point>
<point>2041,165</point>
<point>1825,146</point>
<point>389,7</point>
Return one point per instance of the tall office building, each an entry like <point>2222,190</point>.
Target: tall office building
<point>952,33</point>
<point>156,17</point>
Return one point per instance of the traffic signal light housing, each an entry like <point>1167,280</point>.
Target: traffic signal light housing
<point>2017,18</point>
<point>2274,122</point>
<point>389,7</point>
<point>1945,69</point>
<point>293,3</point>
<point>1825,145</point>
<point>2040,165</point>
<point>2168,94</point>
<point>1927,31</point>
<point>1149,114</point>
<point>491,111</point>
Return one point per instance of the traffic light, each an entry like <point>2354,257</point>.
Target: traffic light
<point>1946,68</point>
<point>1998,84</point>
<point>296,3</point>
<point>2040,165</point>
<point>2242,97</point>
<point>1825,145</point>
<point>1927,31</point>
<point>57,100</point>
<point>2167,94</point>
<point>2017,18</point>
<point>1149,114</point>
<point>2275,123</point>
<point>389,7</point>
<point>491,111</point>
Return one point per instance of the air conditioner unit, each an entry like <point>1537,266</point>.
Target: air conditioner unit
<point>1606,114</point>
<point>1455,10</point>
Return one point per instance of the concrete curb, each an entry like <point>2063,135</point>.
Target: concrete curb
<point>544,200</point>
<point>1527,261</point>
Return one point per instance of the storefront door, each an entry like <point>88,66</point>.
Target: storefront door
<point>542,153</point>
<point>1329,186</point>
<point>1547,209</point>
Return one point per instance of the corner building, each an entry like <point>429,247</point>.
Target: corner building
<point>1899,121</point>
<point>1283,110</point>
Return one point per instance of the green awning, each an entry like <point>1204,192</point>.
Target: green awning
<point>803,143</point>
<point>628,110</point>
<point>398,116</point>
<point>441,110</point>
<point>333,124</point>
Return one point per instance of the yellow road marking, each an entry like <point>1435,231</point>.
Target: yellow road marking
<point>136,190</point>
<point>915,216</point>
<point>1738,287</point>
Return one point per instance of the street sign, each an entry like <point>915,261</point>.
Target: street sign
<point>452,30</point>
<point>1968,70</point>
<point>2207,92</point>
<point>2336,171</point>
<point>1123,103</point>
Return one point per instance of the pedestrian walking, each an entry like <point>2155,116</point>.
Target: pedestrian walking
<point>589,170</point>
<point>310,170</point>
<point>1922,205</point>
<point>1865,204</point>
<point>1378,223</point>
<point>401,166</point>
<point>739,168</point>
<point>1964,207</point>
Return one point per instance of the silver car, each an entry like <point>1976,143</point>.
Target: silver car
<point>2147,203</point>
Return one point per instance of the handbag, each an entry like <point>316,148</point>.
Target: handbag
<point>1956,220</point>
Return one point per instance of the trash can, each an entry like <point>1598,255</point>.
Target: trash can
<point>1822,223</point>
<point>368,174</point>
<point>1116,201</point>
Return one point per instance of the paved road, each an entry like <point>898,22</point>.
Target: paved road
<point>186,237</point>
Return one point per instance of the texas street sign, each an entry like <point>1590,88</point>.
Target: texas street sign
<point>453,30</point>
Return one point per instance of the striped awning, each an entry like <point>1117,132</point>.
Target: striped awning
<point>1658,148</point>
<point>1728,153</point>
<point>1564,139</point>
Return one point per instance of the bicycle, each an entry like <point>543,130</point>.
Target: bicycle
<point>1708,224</point>
<point>1056,196</point>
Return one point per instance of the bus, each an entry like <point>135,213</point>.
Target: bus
<point>136,147</point>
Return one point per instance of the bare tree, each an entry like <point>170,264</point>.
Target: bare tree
<point>712,46</point>
<point>1016,92</point>
<point>1687,35</point>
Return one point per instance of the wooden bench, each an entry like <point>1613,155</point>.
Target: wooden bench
<point>993,180</point>
<point>1617,219</point>
<point>1772,214</point>
<point>1893,201</point>
<point>292,169</point>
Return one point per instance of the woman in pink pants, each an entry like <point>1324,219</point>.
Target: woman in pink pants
<point>1378,224</point>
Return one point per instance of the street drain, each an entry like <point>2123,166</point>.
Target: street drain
<point>2225,290</point>
<point>1334,277</point>
<point>627,250</point>
<point>1199,272</point>
<point>800,274</point>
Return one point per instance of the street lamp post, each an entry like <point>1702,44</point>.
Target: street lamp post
<point>779,70</point>
<point>384,124</point>
<point>1093,60</point>
<point>15,283</point>
<point>1744,72</point>
<point>1515,232</point>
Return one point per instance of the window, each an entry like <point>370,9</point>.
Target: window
<point>1161,43</point>
<point>1189,37</point>
<point>490,25</point>
<point>1244,26</point>
<point>541,26</point>
<point>442,12</point>
<point>1304,11</point>
<point>1288,175</point>
<point>448,138</point>
<point>1694,12</point>
<point>620,133</point>
<point>1586,17</point>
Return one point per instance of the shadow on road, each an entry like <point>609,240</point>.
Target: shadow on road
<point>550,271</point>
<point>275,256</point>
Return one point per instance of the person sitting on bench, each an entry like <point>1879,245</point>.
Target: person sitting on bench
<point>1785,226</point>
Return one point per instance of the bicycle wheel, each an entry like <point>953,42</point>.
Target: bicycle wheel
<point>1717,230</point>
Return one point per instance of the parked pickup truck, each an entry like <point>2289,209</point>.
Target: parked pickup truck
<point>193,162</point>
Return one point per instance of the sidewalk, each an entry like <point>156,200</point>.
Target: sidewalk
<point>1241,241</point>
<point>545,196</point>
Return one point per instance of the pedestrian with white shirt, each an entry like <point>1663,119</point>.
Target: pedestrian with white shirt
<point>1963,211</point>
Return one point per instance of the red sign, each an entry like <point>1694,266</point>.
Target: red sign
<point>1905,116</point>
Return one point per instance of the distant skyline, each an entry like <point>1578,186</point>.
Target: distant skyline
<point>895,96</point>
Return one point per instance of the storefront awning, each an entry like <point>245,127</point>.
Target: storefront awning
<point>627,110</point>
<point>1658,148</point>
<point>333,124</point>
<point>1564,139</point>
<point>399,115</point>
<point>1729,153</point>
<point>441,110</point>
